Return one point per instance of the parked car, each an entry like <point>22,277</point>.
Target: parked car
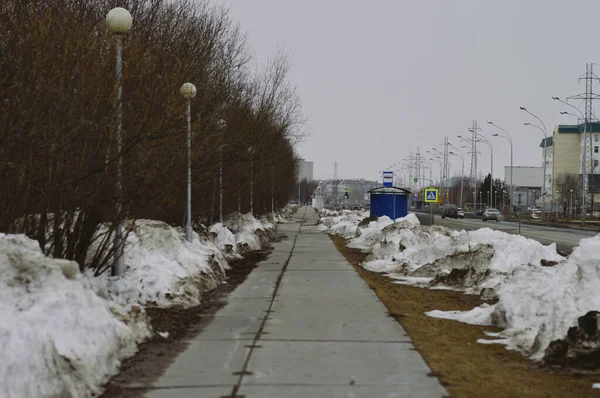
<point>450,211</point>
<point>460,212</point>
<point>491,214</point>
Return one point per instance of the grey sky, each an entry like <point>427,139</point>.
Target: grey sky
<point>379,78</point>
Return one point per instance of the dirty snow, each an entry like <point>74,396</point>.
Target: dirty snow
<point>540,293</point>
<point>539,304</point>
<point>57,337</point>
<point>65,333</point>
<point>162,269</point>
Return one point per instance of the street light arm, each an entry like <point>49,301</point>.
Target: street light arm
<point>505,132</point>
<point>535,125</point>
<point>540,120</point>
<point>571,105</point>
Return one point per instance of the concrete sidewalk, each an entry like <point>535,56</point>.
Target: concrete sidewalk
<point>303,324</point>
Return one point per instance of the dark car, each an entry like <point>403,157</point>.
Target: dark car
<point>450,211</point>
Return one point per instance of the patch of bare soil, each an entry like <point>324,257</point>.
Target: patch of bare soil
<point>464,367</point>
<point>156,354</point>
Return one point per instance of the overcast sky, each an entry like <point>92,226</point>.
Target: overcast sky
<point>380,78</point>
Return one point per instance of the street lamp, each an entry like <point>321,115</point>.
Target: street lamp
<point>480,202</point>
<point>188,91</point>
<point>250,154</point>
<point>509,139</point>
<point>119,22</point>
<point>221,125</point>
<point>571,207</point>
<point>543,193</point>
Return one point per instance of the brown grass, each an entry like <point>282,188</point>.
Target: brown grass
<point>466,368</point>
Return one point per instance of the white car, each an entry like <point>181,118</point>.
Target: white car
<point>491,214</point>
<point>461,213</point>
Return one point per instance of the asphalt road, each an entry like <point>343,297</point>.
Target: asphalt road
<point>566,239</point>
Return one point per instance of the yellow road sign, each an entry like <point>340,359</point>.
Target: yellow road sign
<point>431,195</point>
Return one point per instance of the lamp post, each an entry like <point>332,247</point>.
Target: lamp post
<point>571,207</point>
<point>543,193</point>
<point>250,154</point>
<point>480,202</point>
<point>475,201</point>
<point>188,91</point>
<point>221,125</point>
<point>510,141</point>
<point>119,22</point>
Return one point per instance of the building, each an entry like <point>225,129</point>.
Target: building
<point>335,191</point>
<point>567,143</point>
<point>527,184</point>
<point>305,170</point>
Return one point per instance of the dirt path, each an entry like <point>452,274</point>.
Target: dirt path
<point>466,368</point>
<point>155,355</point>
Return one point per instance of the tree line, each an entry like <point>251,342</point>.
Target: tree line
<point>57,119</point>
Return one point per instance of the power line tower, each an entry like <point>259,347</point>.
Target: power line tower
<point>473,175</point>
<point>587,162</point>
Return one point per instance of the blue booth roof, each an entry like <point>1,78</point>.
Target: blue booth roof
<point>384,190</point>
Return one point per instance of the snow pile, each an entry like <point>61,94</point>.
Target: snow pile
<point>57,337</point>
<point>248,233</point>
<point>371,230</point>
<point>223,238</point>
<point>343,223</point>
<point>539,304</point>
<point>469,260</point>
<point>329,213</point>
<point>473,261</point>
<point>163,269</point>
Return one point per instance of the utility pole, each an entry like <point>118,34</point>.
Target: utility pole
<point>445,172</point>
<point>587,182</point>
<point>473,175</point>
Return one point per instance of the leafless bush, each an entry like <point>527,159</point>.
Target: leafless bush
<point>57,134</point>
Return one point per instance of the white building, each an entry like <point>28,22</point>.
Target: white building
<point>527,184</point>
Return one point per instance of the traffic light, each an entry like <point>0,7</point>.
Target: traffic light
<point>346,195</point>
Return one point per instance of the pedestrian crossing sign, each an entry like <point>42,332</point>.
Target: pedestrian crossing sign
<point>431,195</point>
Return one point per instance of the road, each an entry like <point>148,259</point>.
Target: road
<point>566,239</point>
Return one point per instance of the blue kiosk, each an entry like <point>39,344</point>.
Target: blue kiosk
<point>389,201</point>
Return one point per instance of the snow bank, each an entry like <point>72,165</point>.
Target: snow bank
<point>342,223</point>
<point>249,233</point>
<point>57,338</point>
<point>540,293</point>
<point>539,304</point>
<point>470,260</point>
<point>163,269</point>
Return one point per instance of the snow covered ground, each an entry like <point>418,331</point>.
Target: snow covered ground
<point>57,338</point>
<point>65,334</point>
<point>539,293</point>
